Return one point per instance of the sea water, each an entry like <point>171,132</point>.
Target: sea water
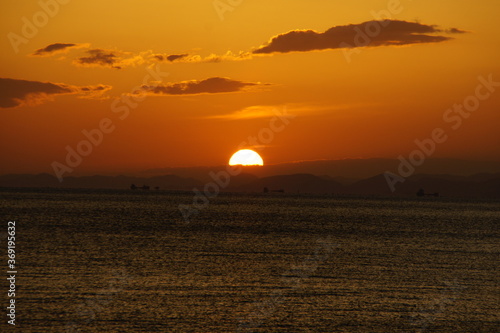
<point>127,261</point>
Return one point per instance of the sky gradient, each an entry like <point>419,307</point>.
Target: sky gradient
<point>153,84</point>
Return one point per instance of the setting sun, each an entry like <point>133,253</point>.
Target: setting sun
<point>246,157</point>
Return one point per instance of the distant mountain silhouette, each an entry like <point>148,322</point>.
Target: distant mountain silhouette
<point>97,181</point>
<point>481,185</point>
<point>372,185</point>
<point>241,180</point>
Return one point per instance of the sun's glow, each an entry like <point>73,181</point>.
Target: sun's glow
<point>246,157</point>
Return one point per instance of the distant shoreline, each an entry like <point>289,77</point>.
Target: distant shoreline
<point>189,193</point>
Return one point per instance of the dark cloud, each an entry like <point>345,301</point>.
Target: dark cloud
<point>94,88</point>
<point>100,57</point>
<point>212,85</point>
<point>54,48</point>
<point>111,58</point>
<point>171,57</point>
<point>367,34</point>
<point>15,92</point>
<point>456,31</point>
<point>92,92</point>
<point>174,57</point>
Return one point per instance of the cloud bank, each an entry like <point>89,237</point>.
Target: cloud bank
<point>14,92</point>
<point>366,34</point>
<point>213,85</point>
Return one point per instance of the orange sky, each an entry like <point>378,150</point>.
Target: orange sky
<point>69,66</point>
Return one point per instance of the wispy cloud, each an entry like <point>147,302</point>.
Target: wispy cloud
<point>249,112</point>
<point>56,48</point>
<point>110,58</point>
<point>99,57</point>
<point>196,58</point>
<point>14,92</point>
<point>213,85</point>
<point>268,111</point>
<point>382,33</point>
